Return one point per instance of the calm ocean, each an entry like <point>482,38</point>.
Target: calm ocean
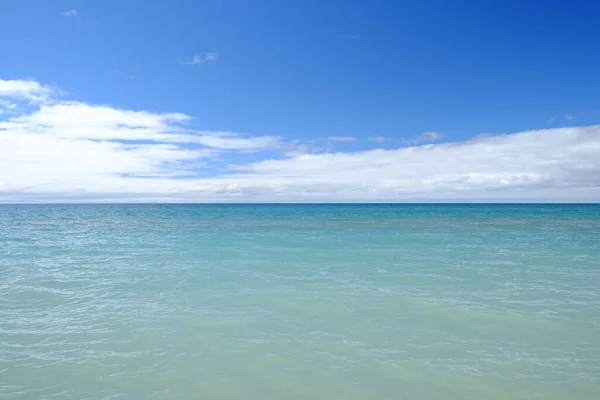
<point>300,302</point>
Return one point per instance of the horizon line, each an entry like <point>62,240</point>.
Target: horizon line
<point>294,203</point>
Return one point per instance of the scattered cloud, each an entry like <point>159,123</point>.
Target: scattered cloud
<point>57,150</point>
<point>200,58</point>
<point>69,13</point>
<point>570,117</point>
<point>7,105</point>
<point>342,139</point>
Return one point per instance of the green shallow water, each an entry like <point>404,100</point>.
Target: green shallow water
<point>300,302</point>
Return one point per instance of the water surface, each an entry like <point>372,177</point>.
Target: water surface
<point>300,301</point>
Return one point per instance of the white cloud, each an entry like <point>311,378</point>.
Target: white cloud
<point>342,139</point>
<point>200,58</point>
<point>520,165</point>
<point>69,13</point>
<point>73,151</point>
<point>27,90</point>
<point>76,120</point>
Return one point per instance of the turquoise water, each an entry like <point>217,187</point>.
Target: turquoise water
<point>300,302</point>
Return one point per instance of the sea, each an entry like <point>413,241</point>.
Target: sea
<point>290,302</point>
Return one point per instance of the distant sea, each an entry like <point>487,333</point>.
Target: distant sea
<point>292,302</point>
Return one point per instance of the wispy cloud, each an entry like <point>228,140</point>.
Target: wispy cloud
<point>232,141</point>
<point>347,37</point>
<point>69,13</point>
<point>7,105</point>
<point>342,139</point>
<point>427,137</point>
<point>569,116</point>
<point>379,139</point>
<point>200,58</point>
<point>103,141</point>
<point>120,73</point>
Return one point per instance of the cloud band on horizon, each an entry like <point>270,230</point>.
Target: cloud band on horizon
<point>57,150</point>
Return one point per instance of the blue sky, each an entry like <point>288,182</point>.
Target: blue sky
<point>308,72</point>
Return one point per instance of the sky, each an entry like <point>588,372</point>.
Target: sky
<point>299,101</point>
